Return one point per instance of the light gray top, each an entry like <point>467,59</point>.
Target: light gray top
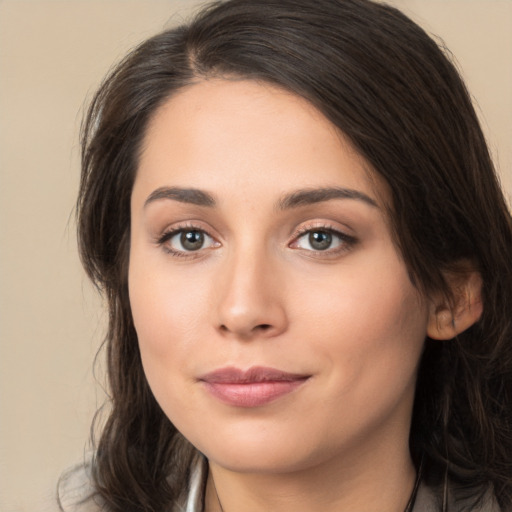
<point>76,494</point>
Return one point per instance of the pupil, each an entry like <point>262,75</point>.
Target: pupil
<point>192,240</point>
<point>320,240</point>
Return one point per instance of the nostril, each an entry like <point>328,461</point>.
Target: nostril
<point>245,328</point>
<point>259,327</point>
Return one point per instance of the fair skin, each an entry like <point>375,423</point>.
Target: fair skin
<point>234,263</point>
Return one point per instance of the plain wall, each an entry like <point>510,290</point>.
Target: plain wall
<point>53,55</point>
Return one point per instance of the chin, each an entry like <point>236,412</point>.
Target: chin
<point>259,454</point>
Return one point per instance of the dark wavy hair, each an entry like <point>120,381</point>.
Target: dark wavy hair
<point>394,93</point>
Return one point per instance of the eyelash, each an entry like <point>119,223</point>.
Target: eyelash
<point>346,242</point>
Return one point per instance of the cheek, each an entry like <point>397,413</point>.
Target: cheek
<point>369,335</point>
<point>168,309</point>
<point>169,316</point>
<point>370,326</point>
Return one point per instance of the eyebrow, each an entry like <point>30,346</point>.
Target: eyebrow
<point>296,199</point>
<point>318,195</point>
<point>183,195</point>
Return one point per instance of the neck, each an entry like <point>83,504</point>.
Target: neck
<point>377,481</point>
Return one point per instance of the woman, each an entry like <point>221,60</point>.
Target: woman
<point>292,212</point>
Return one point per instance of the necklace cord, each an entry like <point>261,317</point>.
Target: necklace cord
<point>412,499</point>
<point>217,494</point>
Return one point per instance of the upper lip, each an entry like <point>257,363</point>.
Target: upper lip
<point>232,375</point>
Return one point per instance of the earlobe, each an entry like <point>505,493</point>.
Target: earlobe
<point>448,320</point>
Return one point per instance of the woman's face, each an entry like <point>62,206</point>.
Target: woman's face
<point>277,323</point>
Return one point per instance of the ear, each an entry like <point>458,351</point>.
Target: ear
<point>447,320</point>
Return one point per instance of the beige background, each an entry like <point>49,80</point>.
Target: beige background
<point>52,56</point>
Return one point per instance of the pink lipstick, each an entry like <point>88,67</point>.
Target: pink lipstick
<point>254,387</point>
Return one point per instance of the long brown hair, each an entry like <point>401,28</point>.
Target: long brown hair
<point>389,88</point>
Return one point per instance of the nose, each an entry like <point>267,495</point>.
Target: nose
<point>251,300</point>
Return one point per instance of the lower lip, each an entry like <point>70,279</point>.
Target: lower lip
<point>252,394</point>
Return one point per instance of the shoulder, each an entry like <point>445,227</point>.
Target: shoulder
<point>442,491</point>
<point>76,492</point>
<point>441,498</point>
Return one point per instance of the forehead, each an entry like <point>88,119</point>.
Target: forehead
<point>247,134</point>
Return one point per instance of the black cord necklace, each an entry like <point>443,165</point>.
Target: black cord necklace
<point>412,499</point>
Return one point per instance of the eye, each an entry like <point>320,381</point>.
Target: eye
<point>318,240</point>
<point>323,240</point>
<point>186,240</point>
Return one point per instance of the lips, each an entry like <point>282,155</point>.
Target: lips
<point>254,387</point>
